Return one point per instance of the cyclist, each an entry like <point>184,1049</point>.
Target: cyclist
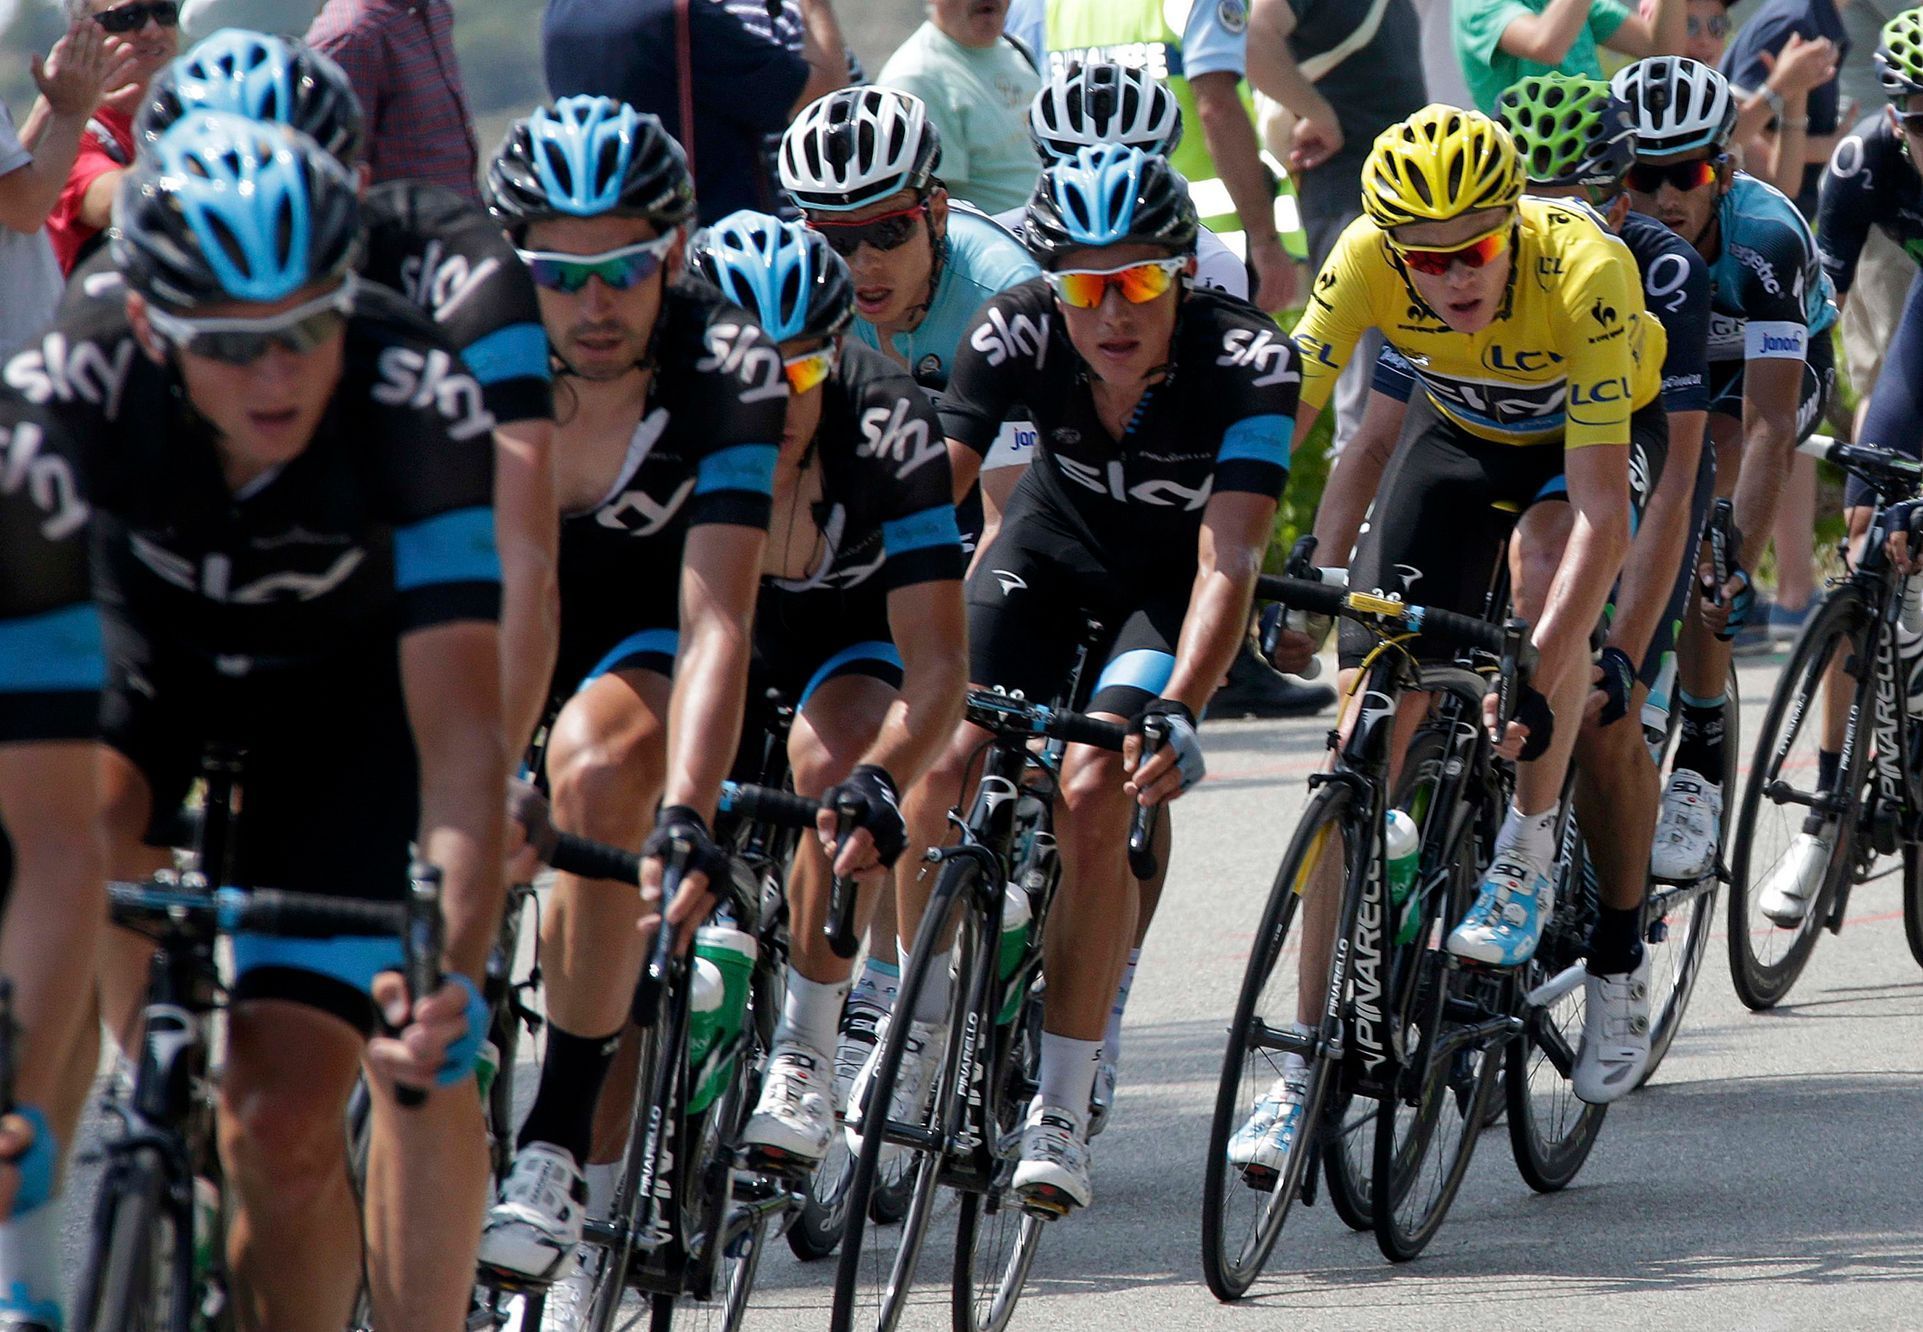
<point>1770,375</point>
<point>859,622</point>
<point>1573,140</point>
<point>52,862</point>
<point>294,549</point>
<point>669,415</point>
<point>1165,416</point>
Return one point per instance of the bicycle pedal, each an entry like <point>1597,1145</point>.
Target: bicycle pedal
<point>1260,1178</point>
<point>774,1161</point>
<point>1046,1203</point>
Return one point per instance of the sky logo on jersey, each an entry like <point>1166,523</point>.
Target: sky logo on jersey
<point>1261,350</point>
<point>639,514</point>
<point>892,433</point>
<point>60,371</point>
<point>1161,493</point>
<point>999,338</point>
<point>734,350</point>
<point>441,283</point>
<point>435,379</point>
<point>44,478</point>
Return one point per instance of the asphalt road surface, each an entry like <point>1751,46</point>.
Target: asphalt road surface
<point>1767,1178</point>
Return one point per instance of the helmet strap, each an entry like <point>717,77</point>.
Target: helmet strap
<point>938,256</point>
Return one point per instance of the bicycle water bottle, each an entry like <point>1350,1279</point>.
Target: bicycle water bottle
<point>1401,847</point>
<point>724,960</point>
<point>1909,645</point>
<point>1016,918</point>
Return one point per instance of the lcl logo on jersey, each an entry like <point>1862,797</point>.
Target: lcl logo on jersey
<point>433,380</point>
<point>1259,350</point>
<point>44,478</point>
<point>58,370</point>
<point>734,351</point>
<point>1000,338</point>
<point>1109,481</point>
<point>890,432</point>
<point>440,282</point>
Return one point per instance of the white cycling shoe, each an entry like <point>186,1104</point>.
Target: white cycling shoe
<point>1685,845</point>
<point>1615,1035</point>
<point>1504,924</point>
<point>1792,886</point>
<point>534,1228</point>
<point>1102,1100</point>
<point>795,1116</point>
<point>1053,1174</point>
<point>860,1019</point>
<point>911,1083</point>
<point>1264,1141</point>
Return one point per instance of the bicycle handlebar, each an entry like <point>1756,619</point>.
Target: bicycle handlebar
<point>1883,468</point>
<point>1010,715</point>
<point>1371,609</point>
<point>274,911</point>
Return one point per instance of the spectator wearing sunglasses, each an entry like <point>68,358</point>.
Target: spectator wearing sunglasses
<point>1502,41</point>
<point>1782,68</point>
<point>147,34</point>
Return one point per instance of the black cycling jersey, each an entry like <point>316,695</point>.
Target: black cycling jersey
<point>703,452</point>
<point>1870,182</point>
<point>1676,289</point>
<point>450,260</point>
<point>50,657</point>
<point>1221,420</point>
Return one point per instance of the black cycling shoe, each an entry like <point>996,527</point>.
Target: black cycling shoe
<point>1254,690</point>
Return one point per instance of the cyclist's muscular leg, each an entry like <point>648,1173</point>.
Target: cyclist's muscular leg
<point>924,808</point>
<point>1535,556</point>
<point>1617,796</point>
<point>294,1238</point>
<point>1092,923</point>
<point>126,810</point>
<point>427,1170</point>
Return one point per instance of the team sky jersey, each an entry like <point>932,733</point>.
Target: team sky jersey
<point>886,513</point>
<point>383,525</point>
<point>1216,265</point>
<point>1675,289</point>
<point>1220,421</point>
<point>1569,356</point>
<point>1870,182</point>
<point>1769,293</point>
<point>447,257</point>
<point>51,665</point>
<point>703,452</point>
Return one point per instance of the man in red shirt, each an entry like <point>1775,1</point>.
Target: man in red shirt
<point>150,29</point>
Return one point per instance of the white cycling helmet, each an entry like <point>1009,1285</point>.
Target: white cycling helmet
<point>1085,106</point>
<point>1676,105</point>
<point>855,146</point>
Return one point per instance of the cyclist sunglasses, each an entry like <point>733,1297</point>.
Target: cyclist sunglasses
<point>245,341</point>
<point>808,370</point>
<point>620,269</point>
<point>1086,288</point>
<point>884,231</point>
<point>133,17</point>
<point>1717,25</point>
<point>1910,122</point>
<point>1644,178</point>
<point>1475,254</point>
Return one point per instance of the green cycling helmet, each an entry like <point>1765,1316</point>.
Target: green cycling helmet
<point>1569,130</point>
<point>1899,55</point>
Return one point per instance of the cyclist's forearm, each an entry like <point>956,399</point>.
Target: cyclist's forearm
<point>1230,136</point>
<point>1658,548</point>
<point>1769,446</point>
<point>1212,630</point>
<point>704,715</point>
<point>527,534</point>
<point>1594,556</point>
<point>1351,487</point>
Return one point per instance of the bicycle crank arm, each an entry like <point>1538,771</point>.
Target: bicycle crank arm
<point>1558,985</point>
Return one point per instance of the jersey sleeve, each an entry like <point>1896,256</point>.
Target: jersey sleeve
<point>1602,322</point>
<point>1895,417</point>
<point>1772,275</point>
<point>901,439</point>
<point>1260,375</point>
<point>1008,344</point>
<point>1215,39</point>
<point>1393,375</point>
<point>1847,209</point>
<point>744,405</point>
<point>1677,290</point>
<point>1340,309</point>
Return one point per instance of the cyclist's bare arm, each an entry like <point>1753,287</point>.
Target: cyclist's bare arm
<point>1598,479</point>
<point>527,534</point>
<point>1661,539</point>
<point>1355,477</point>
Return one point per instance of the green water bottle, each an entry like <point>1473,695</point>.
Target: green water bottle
<point>724,960</point>
<point>1017,916</point>
<point>1402,848</point>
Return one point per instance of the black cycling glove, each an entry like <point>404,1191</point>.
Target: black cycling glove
<point>1618,680</point>
<point>1533,711</point>
<point>682,824</point>
<point>870,794</point>
<point>1178,733</point>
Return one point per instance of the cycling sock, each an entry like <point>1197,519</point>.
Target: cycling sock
<point>1532,835</point>
<point>1615,945</point>
<point>931,1005</point>
<point>1112,1038</point>
<point>1067,1074</point>
<point>571,1079</point>
<point>30,1269</point>
<point>1828,764</point>
<point>811,1012</point>
<point>1699,743</point>
<point>878,984</point>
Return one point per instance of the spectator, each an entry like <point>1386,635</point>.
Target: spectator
<point>1339,73</point>
<point>1501,41</point>
<point>142,35</point>
<point>1199,50</point>
<point>746,81</point>
<point>278,18</point>
<point>977,84</point>
<point>1706,28</point>
<point>399,55</point>
<point>1782,67</point>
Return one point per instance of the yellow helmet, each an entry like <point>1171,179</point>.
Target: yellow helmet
<point>1440,163</point>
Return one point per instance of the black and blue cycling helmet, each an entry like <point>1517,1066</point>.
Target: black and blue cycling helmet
<point>260,77</point>
<point>1110,195</point>
<point>782,273</point>
<point>589,157</point>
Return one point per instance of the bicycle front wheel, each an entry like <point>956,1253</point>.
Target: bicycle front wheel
<point>133,1277</point>
<point>1767,954</point>
<point>995,1239</point>
<point>1252,1176</point>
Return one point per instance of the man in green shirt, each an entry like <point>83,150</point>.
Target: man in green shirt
<point>977,84</point>
<point>1501,41</point>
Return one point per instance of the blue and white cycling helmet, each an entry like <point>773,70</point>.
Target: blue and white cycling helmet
<point>1110,195</point>
<point>854,147</point>
<point>782,273</point>
<point>262,78</point>
<point>1676,105</point>
<point>223,208</point>
<point>589,157</point>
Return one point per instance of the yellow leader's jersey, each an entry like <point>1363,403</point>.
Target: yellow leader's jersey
<point>1569,356</point>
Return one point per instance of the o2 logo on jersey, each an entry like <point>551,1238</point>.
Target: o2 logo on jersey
<point>733,350</point>
<point>409,378</point>
<point>440,282</point>
<point>1109,481</point>
<point>892,433</point>
<point>999,338</point>
<point>1664,282</point>
<point>1262,351</point>
<point>44,478</point>
<point>62,371</point>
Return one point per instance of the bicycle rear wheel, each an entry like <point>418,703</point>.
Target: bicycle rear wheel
<point>139,1273</point>
<point>1766,957</point>
<point>1245,1202</point>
